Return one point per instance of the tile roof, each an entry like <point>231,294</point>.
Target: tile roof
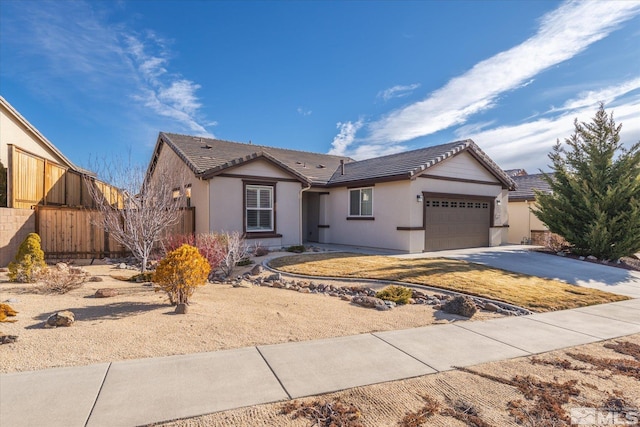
<point>525,186</point>
<point>515,172</point>
<point>413,163</point>
<point>207,157</point>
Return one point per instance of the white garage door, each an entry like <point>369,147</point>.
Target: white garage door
<point>456,223</point>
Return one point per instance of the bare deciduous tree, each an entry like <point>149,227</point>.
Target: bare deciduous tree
<point>145,205</point>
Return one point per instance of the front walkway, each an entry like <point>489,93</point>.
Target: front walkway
<point>135,392</point>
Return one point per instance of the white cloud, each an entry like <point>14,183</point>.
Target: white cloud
<point>397,91</point>
<point>345,137</point>
<point>527,145</point>
<point>606,95</point>
<point>304,112</point>
<point>562,34</point>
<point>80,51</point>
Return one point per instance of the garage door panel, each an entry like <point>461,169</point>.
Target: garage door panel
<point>456,223</point>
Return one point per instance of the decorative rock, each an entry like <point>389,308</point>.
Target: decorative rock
<point>304,290</point>
<point>12,300</point>
<point>241,284</point>
<point>106,293</point>
<point>275,277</point>
<point>257,269</point>
<point>460,305</point>
<point>346,298</point>
<point>417,294</point>
<point>61,318</point>
<point>277,285</point>
<point>8,339</point>
<point>491,307</point>
<point>181,308</point>
<point>95,279</point>
<point>368,302</point>
<point>581,258</point>
<point>122,266</point>
<point>383,307</point>
<point>561,253</point>
<point>591,258</point>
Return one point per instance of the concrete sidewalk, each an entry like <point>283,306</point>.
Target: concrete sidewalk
<point>144,391</point>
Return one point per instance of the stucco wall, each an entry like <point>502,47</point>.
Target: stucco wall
<point>522,221</point>
<point>226,202</point>
<point>392,203</point>
<point>14,132</point>
<point>15,224</point>
<point>199,188</point>
<point>462,166</point>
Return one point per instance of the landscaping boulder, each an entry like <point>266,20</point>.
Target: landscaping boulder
<point>241,284</point>
<point>61,318</point>
<point>257,269</point>
<point>95,279</point>
<point>106,293</point>
<point>8,339</point>
<point>460,305</point>
<point>491,307</point>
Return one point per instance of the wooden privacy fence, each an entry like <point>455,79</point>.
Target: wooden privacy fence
<point>34,180</point>
<point>71,232</point>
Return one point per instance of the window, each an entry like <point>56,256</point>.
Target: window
<point>361,202</point>
<point>259,208</point>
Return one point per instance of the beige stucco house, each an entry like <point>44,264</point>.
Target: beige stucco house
<point>442,197</point>
<point>524,226</point>
<point>34,172</point>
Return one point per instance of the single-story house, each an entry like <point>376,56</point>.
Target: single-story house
<point>442,197</point>
<point>524,226</point>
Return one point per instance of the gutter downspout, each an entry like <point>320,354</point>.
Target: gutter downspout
<point>302,190</point>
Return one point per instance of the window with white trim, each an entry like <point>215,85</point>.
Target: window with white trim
<point>361,202</point>
<point>259,208</point>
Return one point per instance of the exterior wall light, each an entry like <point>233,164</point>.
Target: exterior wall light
<point>419,198</point>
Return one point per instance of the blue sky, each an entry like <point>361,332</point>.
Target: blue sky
<point>354,78</point>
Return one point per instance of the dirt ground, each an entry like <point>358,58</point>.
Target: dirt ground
<point>536,391</point>
<point>140,322</point>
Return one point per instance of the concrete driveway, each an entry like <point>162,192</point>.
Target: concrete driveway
<point>521,259</point>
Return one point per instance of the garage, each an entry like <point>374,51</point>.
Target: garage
<point>456,222</point>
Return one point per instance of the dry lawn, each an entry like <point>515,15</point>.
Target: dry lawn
<point>536,391</point>
<point>536,294</point>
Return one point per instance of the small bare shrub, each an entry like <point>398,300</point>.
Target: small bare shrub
<point>419,418</point>
<point>62,278</point>
<point>235,250</point>
<point>260,251</point>
<point>324,413</point>
<point>210,245</point>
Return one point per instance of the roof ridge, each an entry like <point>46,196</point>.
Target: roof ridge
<point>257,145</point>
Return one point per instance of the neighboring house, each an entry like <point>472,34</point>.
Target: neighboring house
<point>442,197</point>
<point>25,155</point>
<point>524,226</point>
<point>37,172</point>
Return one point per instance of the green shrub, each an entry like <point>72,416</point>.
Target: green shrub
<point>296,248</point>
<point>397,294</point>
<point>243,262</point>
<point>28,261</point>
<point>181,272</point>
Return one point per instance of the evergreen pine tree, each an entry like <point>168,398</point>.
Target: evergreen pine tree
<point>595,191</point>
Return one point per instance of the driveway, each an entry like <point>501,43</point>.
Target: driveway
<point>521,259</point>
